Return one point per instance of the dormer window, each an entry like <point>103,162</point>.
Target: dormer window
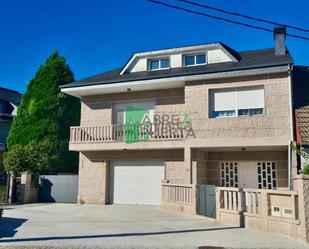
<point>157,64</point>
<point>194,59</point>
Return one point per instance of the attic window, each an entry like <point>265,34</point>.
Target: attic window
<point>157,64</point>
<point>194,59</point>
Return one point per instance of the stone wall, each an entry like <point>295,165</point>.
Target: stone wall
<point>93,170</point>
<point>97,110</point>
<point>213,168</point>
<point>194,99</point>
<point>275,123</point>
<point>253,214</point>
<point>301,185</point>
<point>29,193</point>
<point>199,167</point>
<point>92,186</point>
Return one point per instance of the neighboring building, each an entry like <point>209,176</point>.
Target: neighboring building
<point>301,107</point>
<point>9,101</point>
<point>239,104</point>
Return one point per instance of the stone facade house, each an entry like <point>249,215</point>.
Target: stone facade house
<point>9,101</point>
<point>214,131</point>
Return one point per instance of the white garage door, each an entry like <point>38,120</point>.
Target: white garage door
<point>136,182</point>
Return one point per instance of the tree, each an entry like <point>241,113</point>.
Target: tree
<point>38,139</point>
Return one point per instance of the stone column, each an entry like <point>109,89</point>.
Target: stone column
<point>301,185</point>
<point>29,192</point>
<point>188,165</point>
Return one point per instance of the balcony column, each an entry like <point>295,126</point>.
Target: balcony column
<point>188,165</point>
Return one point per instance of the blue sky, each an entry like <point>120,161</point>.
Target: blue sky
<point>95,35</point>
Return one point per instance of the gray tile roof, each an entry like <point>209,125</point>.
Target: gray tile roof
<point>10,95</point>
<point>247,60</point>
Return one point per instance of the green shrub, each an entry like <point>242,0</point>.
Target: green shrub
<point>301,152</point>
<point>306,170</point>
<point>39,137</point>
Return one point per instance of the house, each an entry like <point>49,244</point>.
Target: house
<point>200,129</point>
<point>301,107</point>
<point>9,100</point>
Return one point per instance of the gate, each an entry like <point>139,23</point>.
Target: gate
<point>206,195</point>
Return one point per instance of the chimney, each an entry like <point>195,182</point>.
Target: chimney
<point>279,36</point>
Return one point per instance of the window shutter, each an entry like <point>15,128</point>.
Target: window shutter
<point>223,100</point>
<point>250,98</point>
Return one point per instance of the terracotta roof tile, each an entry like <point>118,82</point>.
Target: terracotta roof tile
<point>303,124</point>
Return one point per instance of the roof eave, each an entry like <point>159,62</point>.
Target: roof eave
<point>166,82</point>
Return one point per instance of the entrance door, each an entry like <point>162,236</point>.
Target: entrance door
<point>248,177</point>
<point>206,200</point>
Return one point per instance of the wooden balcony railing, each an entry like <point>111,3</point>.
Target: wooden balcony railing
<point>120,133</point>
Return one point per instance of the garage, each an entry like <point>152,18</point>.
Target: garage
<point>136,182</point>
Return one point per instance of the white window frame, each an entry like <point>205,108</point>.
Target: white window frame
<point>159,60</point>
<point>236,110</point>
<point>133,103</point>
<point>195,55</point>
<point>267,175</point>
<point>229,170</point>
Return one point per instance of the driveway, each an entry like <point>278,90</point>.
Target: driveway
<point>124,226</point>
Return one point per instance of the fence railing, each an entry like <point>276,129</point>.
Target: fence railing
<point>179,193</point>
<point>258,202</point>
<point>253,201</point>
<point>271,203</point>
<point>118,133</point>
<point>230,199</point>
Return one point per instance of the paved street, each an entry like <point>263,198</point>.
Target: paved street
<point>124,226</point>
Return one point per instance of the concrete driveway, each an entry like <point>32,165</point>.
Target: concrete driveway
<point>124,226</point>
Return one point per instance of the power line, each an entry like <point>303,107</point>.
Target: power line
<point>244,16</point>
<point>223,19</point>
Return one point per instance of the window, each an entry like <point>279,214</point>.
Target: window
<point>157,64</point>
<point>192,60</point>
<point>235,102</point>
<point>267,176</point>
<point>119,110</point>
<point>229,174</point>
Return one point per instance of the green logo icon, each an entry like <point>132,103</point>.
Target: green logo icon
<point>135,128</point>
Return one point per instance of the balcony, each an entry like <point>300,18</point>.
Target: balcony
<point>126,133</point>
<point>172,136</point>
